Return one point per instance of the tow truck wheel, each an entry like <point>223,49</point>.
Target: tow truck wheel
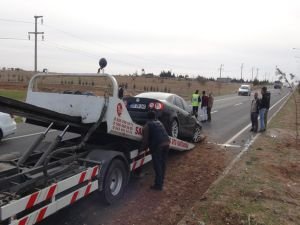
<point>115,181</point>
<point>197,134</point>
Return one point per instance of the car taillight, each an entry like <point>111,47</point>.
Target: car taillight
<point>151,105</point>
<point>156,105</point>
<point>159,106</point>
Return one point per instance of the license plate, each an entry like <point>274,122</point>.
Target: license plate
<point>138,106</point>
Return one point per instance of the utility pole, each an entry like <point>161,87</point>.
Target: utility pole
<point>257,73</point>
<point>35,39</point>
<point>252,72</point>
<point>221,68</point>
<point>242,66</point>
<point>265,76</point>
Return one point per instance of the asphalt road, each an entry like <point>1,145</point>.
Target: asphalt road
<point>230,118</point>
<point>231,113</point>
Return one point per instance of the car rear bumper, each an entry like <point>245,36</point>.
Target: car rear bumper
<point>244,93</point>
<point>141,118</point>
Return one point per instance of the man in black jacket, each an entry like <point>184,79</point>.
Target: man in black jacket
<point>254,112</point>
<point>264,106</point>
<point>157,139</point>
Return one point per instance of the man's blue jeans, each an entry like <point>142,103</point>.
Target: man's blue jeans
<point>261,118</point>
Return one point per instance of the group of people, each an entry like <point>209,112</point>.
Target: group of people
<point>156,138</point>
<point>206,104</point>
<point>260,106</point>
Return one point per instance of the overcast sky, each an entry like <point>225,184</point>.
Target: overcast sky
<point>187,37</point>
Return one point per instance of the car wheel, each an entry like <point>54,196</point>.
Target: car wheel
<point>174,129</point>
<point>115,182</point>
<point>1,135</point>
<point>197,134</point>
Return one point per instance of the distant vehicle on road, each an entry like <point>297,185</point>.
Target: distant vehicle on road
<point>7,125</point>
<point>277,84</point>
<point>172,111</point>
<point>245,89</point>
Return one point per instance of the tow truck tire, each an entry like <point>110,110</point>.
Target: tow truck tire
<point>115,182</point>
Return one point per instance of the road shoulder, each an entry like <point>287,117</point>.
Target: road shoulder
<point>263,187</point>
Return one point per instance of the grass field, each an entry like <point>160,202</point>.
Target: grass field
<point>14,94</point>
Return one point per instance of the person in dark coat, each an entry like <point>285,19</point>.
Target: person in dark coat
<point>121,92</point>
<point>254,112</point>
<point>157,139</point>
<point>263,107</point>
<point>204,104</point>
<point>209,106</point>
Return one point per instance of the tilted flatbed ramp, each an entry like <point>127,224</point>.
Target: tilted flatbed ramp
<point>30,111</point>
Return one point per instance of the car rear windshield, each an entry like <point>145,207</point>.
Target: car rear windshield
<point>156,95</point>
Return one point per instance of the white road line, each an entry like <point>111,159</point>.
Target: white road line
<point>224,99</point>
<point>214,112</point>
<point>247,127</point>
<point>240,103</point>
<point>27,135</point>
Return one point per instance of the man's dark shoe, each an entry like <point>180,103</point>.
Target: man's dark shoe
<point>156,188</point>
<point>262,130</point>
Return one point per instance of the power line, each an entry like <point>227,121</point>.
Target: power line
<point>117,51</point>
<point>14,21</point>
<point>11,38</point>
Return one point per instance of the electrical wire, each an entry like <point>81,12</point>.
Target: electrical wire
<point>101,45</point>
<point>15,21</point>
<point>10,38</point>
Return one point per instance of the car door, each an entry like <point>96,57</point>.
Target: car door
<point>182,116</point>
<point>190,119</point>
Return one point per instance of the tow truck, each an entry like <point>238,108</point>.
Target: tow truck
<point>46,178</point>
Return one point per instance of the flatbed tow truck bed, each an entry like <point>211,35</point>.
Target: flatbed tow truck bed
<point>39,183</point>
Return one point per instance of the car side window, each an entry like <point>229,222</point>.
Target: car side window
<point>185,105</point>
<point>179,103</point>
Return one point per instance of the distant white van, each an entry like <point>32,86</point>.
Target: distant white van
<point>245,89</point>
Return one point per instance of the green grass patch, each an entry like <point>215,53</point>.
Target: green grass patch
<point>14,94</point>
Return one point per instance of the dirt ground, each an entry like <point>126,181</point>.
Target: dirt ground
<point>188,176</point>
<point>263,187</point>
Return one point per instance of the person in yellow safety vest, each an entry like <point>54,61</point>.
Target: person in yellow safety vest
<point>195,102</point>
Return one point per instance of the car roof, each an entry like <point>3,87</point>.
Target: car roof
<point>155,95</point>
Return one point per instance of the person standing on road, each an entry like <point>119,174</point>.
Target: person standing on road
<point>264,103</point>
<point>121,92</point>
<point>268,96</point>
<point>204,104</point>
<point>157,139</point>
<point>254,112</point>
<point>209,106</point>
<point>195,103</point>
